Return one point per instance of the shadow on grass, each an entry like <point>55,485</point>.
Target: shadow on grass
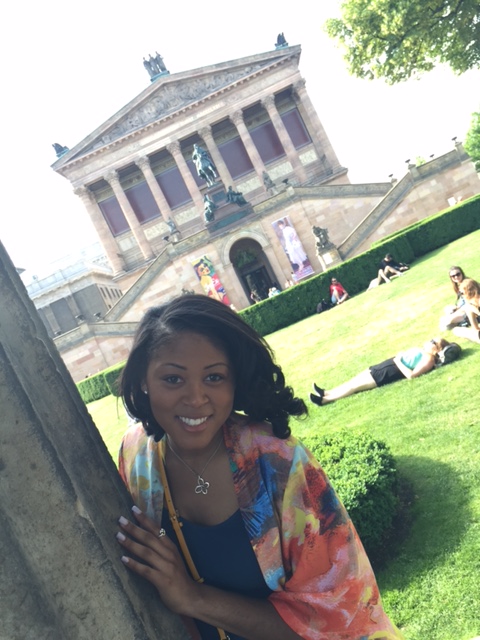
<point>431,523</point>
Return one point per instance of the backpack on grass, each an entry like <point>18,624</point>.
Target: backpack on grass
<point>324,305</point>
<point>448,354</point>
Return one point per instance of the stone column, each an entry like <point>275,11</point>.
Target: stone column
<point>101,227</point>
<point>51,319</point>
<point>60,498</point>
<point>113,180</point>
<point>176,151</point>
<point>219,162</point>
<point>72,305</point>
<point>314,126</point>
<point>292,155</point>
<point>275,263</point>
<point>143,163</point>
<point>251,149</point>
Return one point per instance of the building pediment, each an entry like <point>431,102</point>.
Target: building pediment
<point>172,94</point>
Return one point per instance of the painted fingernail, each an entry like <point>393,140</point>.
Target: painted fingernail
<point>124,559</point>
<point>123,520</point>
<point>120,537</point>
<point>136,510</point>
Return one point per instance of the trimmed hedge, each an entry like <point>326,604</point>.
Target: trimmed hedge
<point>364,474</point>
<point>299,302</point>
<point>101,384</point>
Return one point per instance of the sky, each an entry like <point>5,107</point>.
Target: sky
<point>66,68</point>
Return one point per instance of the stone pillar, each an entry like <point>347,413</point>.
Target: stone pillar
<point>51,319</point>
<point>275,264</point>
<point>60,498</point>
<point>195,193</point>
<point>251,149</point>
<point>101,227</point>
<point>114,181</point>
<point>219,162</point>
<point>314,126</point>
<point>143,163</point>
<point>72,305</point>
<point>292,155</point>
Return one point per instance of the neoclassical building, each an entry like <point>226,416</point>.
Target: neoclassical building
<point>165,229</point>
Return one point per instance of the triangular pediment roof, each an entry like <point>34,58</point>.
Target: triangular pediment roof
<point>173,93</point>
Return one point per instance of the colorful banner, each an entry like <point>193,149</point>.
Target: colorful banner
<point>293,247</point>
<point>209,280</point>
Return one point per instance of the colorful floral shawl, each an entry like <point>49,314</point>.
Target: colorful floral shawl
<point>305,543</point>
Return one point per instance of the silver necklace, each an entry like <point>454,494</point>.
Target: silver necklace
<point>202,485</point>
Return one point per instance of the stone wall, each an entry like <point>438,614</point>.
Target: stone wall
<point>60,498</point>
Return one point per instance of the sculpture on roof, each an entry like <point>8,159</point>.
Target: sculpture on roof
<point>159,62</point>
<point>60,150</point>
<point>281,42</point>
<point>154,65</point>
<point>204,165</point>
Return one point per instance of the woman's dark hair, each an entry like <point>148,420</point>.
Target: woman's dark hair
<point>454,282</point>
<point>260,390</point>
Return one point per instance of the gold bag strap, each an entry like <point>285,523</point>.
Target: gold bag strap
<point>177,526</point>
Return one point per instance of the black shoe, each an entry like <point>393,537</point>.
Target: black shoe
<point>318,390</point>
<point>318,400</point>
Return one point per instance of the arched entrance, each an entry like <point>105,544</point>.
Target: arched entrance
<point>252,268</point>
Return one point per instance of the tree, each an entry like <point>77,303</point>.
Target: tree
<point>396,39</point>
<point>472,140</point>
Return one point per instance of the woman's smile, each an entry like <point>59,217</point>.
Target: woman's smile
<point>190,384</point>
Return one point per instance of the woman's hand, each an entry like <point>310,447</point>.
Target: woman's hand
<point>157,560</point>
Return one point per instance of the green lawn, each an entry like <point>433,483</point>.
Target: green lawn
<point>432,425</point>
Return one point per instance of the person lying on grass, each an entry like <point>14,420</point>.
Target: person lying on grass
<point>470,289</point>
<point>409,364</point>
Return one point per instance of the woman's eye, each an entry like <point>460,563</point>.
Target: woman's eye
<point>172,379</point>
<point>214,377</point>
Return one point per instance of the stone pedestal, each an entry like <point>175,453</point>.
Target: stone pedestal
<point>60,498</point>
<point>329,257</point>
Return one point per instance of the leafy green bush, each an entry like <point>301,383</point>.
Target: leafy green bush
<point>363,472</point>
<point>93,388</point>
<point>101,384</point>
<point>112,378</point>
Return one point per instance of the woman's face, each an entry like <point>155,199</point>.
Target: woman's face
<point>203,270</point>
<point>433,346</point>
<point>190,384</point>
<point>456,275</point>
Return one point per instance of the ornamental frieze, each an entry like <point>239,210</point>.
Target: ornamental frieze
<point>171,97</point>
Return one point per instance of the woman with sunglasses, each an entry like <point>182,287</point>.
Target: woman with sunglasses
<point>406,365</point>
<point>470,289</point>
<point>455,315</point>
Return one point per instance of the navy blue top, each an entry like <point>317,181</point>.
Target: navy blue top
<point>224,558</point>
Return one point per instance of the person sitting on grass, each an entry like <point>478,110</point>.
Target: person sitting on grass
<point>408,364</point>
<point>337,292</point>
<point>390,267</point>
<point>455,315</point>
<point>470,289</point>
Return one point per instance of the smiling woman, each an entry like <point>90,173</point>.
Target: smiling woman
<point>237,525</point>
